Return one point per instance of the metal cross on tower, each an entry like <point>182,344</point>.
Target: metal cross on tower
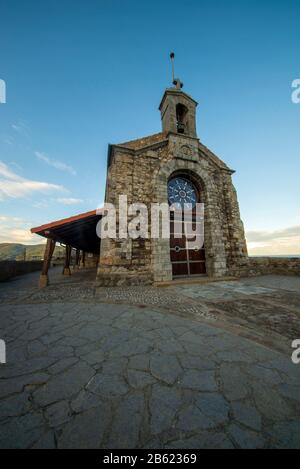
<point>176,81</point>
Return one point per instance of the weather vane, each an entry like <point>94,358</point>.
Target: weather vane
<point>176,81</point>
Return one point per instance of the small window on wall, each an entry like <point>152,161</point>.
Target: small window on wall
<point>181,116</point>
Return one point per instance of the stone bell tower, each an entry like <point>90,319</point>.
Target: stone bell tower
<point>178,111</point>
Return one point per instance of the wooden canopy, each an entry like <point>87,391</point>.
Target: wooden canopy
<point>78,231</point>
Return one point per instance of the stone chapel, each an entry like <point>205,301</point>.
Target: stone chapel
<point>158,168</point>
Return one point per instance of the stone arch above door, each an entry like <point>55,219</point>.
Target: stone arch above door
<point>214,244</point>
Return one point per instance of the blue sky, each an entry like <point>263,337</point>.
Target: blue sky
<point>82,74</point>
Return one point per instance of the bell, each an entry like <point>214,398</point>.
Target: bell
<point>180,127</point>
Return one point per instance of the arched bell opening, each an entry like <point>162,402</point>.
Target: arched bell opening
<point>181,118</point>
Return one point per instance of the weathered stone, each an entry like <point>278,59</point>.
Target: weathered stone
<point>270,404</point>
<point>132,347</point>
<point>22,431</point>
<point>204,440</point>
<point>10,386</point>
<point>107,385</point>
<point>164,404</point>
<point>47,441</point>
<point>290,391</point>
<point>197,363</point>
<point>191,418</point>
<point>28,367</point>
<point>139,379</point>
<point>247,415</point>
<point>200,380</point>
<point>64,386</point>
<point>15,405</point>
<point>36,348</point>
<point>139,362</point>
<point>214,406</point>
<point>256,403</point>
<point>127,423</point>
<point>62,365</point>
<point>84,401</point>
<point>165,367</point>
<point>270,377</point>
<point>235,384</point>
<point>95,357</point>
<point>246,439</point>
<point>286,434</point>
<point>86,430</point>
<point>58,413</point>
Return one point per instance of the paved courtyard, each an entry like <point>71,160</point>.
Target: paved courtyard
<point>184,366</point>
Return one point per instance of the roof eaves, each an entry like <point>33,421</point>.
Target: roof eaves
<point>65,221</point>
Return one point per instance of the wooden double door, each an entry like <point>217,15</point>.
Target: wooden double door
<point>187,258</point>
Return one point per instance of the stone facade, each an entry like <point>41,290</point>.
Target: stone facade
<point>141,169</point>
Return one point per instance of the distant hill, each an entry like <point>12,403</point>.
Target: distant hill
<point>17,252</point>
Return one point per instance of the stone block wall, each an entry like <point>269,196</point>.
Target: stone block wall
<point>255,266</point>
<point>128,261</point>
<point>9,269</point>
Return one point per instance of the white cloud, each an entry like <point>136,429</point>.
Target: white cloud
<point>14,186</point>
<point>55,163</point>
<point>17,230</point>
<point>280,242</point>
<point>21,128</point>
<point>40,204</point>
<point>8,173</point>
<point>69,201</point>
<point>7,140</point>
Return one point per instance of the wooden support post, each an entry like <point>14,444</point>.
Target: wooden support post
<point>67,270</point>
<point>77,259</point>
<point>44,279</point>
<point>82,261</point>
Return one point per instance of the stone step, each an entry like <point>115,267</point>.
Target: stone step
<point>191,281</point>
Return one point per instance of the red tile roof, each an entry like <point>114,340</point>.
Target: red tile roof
<point>65,221</point>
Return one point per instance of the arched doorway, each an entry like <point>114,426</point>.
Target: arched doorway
<point>187,258</point>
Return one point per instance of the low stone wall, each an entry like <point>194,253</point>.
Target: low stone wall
<point>255,266</point>
<point>9,269</point>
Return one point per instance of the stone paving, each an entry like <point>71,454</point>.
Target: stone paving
<point>149,368</point>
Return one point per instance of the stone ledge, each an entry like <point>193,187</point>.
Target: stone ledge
<point>190,280</point>
<point>256,266</point>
